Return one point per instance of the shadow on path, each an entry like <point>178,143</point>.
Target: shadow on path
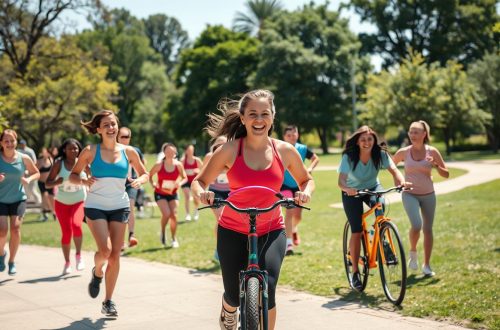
<point>2,282</point>
<point>348,297</point>
<point>86,323</point>
<point>49,279</point>
<point>420,280</point>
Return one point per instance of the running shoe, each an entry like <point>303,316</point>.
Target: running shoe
<point>132,241</point>
<point>2,261</point>
<point>427,271</point>
<point>296,238</point>
<point>80,265</point>
<point>413,262</point>
<point>228,320</point>
<point>43,217</point>
<point>12,268</point>
<point>196,216</point>
<point>188,217</point>
<point>289,250</point>
<point>67,269</point>
<point>356,281</point>
<point>175,244</point>
<point>109,308</point>
<point>94,284</point>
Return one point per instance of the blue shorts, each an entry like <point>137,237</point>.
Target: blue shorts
<point>118,215</point>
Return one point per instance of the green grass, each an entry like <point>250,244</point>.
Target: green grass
<point>466,253</point>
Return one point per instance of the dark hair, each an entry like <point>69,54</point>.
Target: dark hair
<point>351,148</point>
<point>125,128</point>
<point>92,125</point>
<point>290,128</point>
<point>62,147</point>
<point>7,131</point>
<point>229,123</point>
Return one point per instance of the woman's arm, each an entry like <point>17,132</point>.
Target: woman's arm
<point>399,156</point>
<point>155,169</point>
<point>33,171</point>
<point>182,179</point>
<point>54,171</point>
<point>437,161</point>
<point>138,165</point>
<point>82,163</point>
<point>342,183</point>
<point>299,172</point>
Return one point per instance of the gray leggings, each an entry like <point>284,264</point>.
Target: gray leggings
<point>414,204</point>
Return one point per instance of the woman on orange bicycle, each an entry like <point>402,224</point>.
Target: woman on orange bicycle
<point>251,157</point>
<point>419,158</point>
<point>362,159</point>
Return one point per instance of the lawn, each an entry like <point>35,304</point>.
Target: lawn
<point>465,258</point>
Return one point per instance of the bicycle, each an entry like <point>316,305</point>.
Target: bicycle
<point>253,281</point>
<point>384,250</point>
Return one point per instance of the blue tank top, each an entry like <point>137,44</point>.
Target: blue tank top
<point>108,192</point>
<point>11,188</point>
<point>289,181</point>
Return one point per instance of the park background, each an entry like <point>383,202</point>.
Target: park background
<point>432,60</point>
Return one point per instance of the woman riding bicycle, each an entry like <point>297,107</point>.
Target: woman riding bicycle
<point>362,159</point>
<point>251,158</point>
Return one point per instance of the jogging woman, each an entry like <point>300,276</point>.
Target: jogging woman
<point>192,166</point>
<point>69,201</point>
<point>44,164</point>
<point>420,203</point>
<point>13,166</point>
<point>362,159</point>
<point>107,205</point>
<point>251,157</point>
<point>171,175</point>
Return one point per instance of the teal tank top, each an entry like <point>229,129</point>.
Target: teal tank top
<point>69,193</point>
<point>11,188</point>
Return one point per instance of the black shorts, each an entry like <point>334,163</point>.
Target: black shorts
<point>131,192</point>
<point>16,208</point>
<point>220,194</point>
<point>43,188</point>
<point>186,185</point>
<point>168,198</point>
<point>118,215</point>
<point>353,208</point>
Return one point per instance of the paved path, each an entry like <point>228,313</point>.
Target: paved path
<point>478,172</point>
<point>151,295</point>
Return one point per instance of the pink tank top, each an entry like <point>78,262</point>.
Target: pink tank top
<point>419,173</point>
<point>240,176</point>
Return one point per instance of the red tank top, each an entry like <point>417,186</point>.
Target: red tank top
<point>189,168</point>
<point>166,180</point>
<point>239,176</point>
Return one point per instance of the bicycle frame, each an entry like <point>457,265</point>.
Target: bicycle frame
<point>380,218</point>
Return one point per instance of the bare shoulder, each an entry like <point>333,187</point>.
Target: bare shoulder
<point>178,163</point>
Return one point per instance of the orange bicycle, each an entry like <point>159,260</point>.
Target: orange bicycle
<point>380,246</point>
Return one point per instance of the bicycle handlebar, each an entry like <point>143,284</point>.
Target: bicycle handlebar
<point>288,202</point>
<point>381,192</point>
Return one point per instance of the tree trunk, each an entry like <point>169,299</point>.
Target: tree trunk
<point>322,132</point>
<point>493,140</point>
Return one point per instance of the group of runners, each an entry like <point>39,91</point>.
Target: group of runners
<point>100,183</point>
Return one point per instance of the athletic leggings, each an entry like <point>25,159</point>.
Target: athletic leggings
<point>232,248</point>
<point>70,219</point>
<point>418,208</point>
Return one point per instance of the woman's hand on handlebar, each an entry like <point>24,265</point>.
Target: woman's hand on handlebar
<point>302,197</point>
<point>207,197</point>
<point>351,191</point>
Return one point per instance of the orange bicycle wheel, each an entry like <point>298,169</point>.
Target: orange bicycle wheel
<point>362,260</point>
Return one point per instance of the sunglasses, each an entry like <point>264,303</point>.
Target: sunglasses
<point>125,137</point>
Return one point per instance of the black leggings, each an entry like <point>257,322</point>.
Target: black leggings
<point>232,248</point>
<point>353,208</point>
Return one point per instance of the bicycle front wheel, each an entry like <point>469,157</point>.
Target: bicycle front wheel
<point>362,260</point>
<point>392,263</point>
<point>252,310</point>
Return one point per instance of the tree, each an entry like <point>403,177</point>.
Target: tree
<point>167,38</point>
<point>441,30</point>
<point>306,59</point>
<point>217,66</point>
<point>258,11</point>
<point>61,85</point>
<point>485,74</point>
<point>29,21</point>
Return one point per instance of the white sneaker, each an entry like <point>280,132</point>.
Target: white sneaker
<point>413,262</point>
<point>67,269</point>
<point>80,264</point>
<point>188,217</point>
<point>427,271</point>
<point>196,216</point>
<point>175,244</point>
